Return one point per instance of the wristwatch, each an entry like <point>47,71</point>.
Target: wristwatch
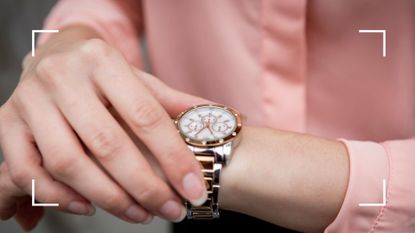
<point>211,131</point>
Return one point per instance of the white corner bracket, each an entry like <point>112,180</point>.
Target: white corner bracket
<point>377,204</point>
<point>40,204</point>
<point>383,38</point>
<point>34,37</point>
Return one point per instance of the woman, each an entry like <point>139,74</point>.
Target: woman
<point>299,66</point>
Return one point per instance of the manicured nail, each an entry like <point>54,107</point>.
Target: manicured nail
<point>92,210</point>
<point>195,189</point>
<point>136,214</point>
<point>148,220</point>
<point>183,214</point>
<point>81,208</point>
<point>173,211</point>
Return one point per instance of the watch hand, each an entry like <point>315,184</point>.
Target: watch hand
<point>208,125</point>
<point>204,127</point>
<point>210,130</point>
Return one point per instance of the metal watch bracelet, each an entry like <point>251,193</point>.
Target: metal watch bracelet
<point>211,160</point>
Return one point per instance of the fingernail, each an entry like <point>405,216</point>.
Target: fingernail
<point>148,220</point>
<point>136,213</point>
<point>81,208</point>
<point>183,214</point>
<point>195,189</point>
<point>173,211</point>
<point>91,210</point>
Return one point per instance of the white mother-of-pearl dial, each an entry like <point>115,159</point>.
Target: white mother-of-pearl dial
<point>207,123</point>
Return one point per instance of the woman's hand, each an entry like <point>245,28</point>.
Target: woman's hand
<point>15,202</point>
<point>59,111</point>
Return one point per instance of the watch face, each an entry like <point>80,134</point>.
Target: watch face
<point>208,124</point>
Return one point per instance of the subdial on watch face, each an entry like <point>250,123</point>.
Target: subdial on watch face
<point>221,127</point>
<point>209,119</point>
<point>194,126</point>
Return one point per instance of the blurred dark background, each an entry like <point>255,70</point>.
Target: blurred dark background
<point>17,20</point>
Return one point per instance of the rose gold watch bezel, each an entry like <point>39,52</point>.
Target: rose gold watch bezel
<point>212,143</point>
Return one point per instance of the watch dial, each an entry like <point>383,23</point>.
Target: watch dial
<point>207,123</point>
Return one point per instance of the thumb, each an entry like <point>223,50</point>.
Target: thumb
<point>9,194</point>
<point>14,202</point>
<point>173,101</point>
<point>27,216</point>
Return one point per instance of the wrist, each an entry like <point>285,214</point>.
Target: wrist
<point>245,180</point>
<point>293,180</point>
<point>233,175</point>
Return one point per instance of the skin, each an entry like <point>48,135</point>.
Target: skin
<point>69,84</point>
<point>294,180</point>
<point>297,181</point>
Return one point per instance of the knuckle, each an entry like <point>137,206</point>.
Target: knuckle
<point>46,65</point>
<point>112,201</point>
<point>64,166</point>
<point>96,48</point>
<point>22,92</point>
<point>146,116</point>
<point>20,101</point>
<point>174,153</point>
<point>52,194</point>
<point>19,176</point>
<point>148,192</point>
<point>177,170</point>
<point>104,143</point>
<point>48,70</point>
<point>19,97</point>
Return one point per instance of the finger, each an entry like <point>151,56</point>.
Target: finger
<point>117,153</point>
<point>150,122</point>
<point>8,194</point>
<point>26,61</point>
<point>173,101</point>
<point>24,164</point>
<point>66,160</point>
<point>27,216</point>
<point>15,202</point>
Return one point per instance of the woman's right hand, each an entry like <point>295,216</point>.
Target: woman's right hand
<point>60,110</point>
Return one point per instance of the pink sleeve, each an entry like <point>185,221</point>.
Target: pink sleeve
<point>370,163</point>
<point>117,21</point>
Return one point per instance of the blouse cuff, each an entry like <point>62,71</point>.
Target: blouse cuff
<point>364,200</point>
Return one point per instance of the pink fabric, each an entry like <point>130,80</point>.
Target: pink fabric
<point>298,65</point>
<point>118,22</point>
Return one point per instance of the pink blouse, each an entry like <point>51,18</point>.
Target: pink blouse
<point>296,65</point>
